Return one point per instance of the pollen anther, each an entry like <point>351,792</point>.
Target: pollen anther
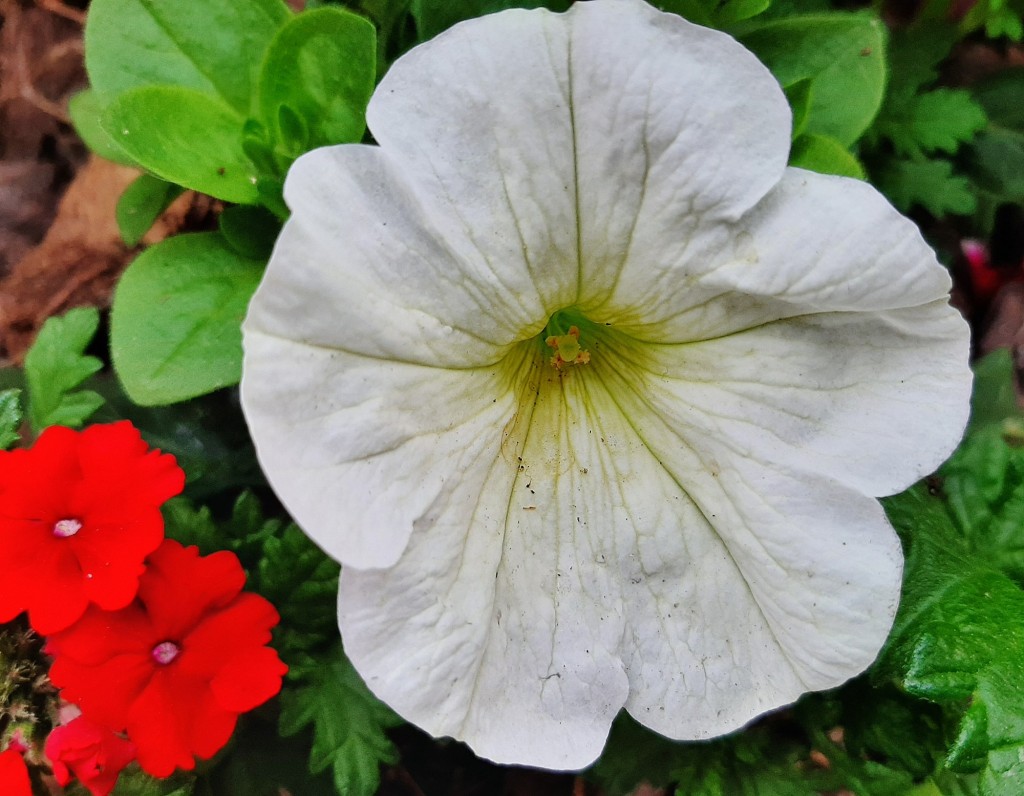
<point>567,349</point>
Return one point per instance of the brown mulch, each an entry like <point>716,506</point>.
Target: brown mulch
<point>59,242</point>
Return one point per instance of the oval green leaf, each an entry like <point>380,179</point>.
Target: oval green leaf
<point>824,155</point>
<point>184,136</point>
<point>175,329</point>
<point>135,43</point>
<point>321,69</point>
<point>844,57</point>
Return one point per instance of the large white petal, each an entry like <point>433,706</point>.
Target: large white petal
<point>815,243</point>
<point>873,400</point>
<point>555,141</point>
<point>619,554</point>
<point>362,266</point>
<point>360,450</point>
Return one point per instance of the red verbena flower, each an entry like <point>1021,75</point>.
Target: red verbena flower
<point>177,666</point>
<point>92,753</point>
<point>14,774</point>
<point>79,513</point>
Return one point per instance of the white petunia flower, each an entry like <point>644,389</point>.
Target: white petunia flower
<point>589,393</point>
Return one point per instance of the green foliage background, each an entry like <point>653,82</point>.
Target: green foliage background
<point>226,107</point>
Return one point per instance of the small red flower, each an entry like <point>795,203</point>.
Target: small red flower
<point>176,667</point>
<point>14,779</point>
<point>92,753</point>
<point>79,512</point>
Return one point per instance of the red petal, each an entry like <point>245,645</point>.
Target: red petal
<point>101,635</point>
<point>94,754</point>
<point>106,692</point>
<point>244,624</point>
<point>249,679</point>
<point>179,586</point>
<point>36,483</point>
<point>174,719</point>
<point>14,775</point>
<point>56,598</point>
<point>121,473</point>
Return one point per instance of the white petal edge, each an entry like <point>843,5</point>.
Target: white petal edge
<point>359,449</point>
<point>618,553</point>
<point>815,243</point>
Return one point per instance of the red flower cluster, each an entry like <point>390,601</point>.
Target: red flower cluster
<point>80,513</point>
<point>150,639</point>
<point>177,667</point>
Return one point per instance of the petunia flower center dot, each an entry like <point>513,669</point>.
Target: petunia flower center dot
<point>564,341</point>
<point>62,529</point>
<point>165,652</point>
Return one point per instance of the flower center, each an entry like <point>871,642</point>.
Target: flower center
<point>565,342</point>
<point>62,529</point>
<point>165,652</point>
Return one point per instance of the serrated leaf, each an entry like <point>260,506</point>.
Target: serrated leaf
<point>184,136</point>
<point>302,582</point>
<point>176,322</point>
<point>928,183</point>
<point>249,530</point>
<point>317,79</point>
<point>135,43</point>
<point>348,723</point>
<point>844,57</point>
<point>141,204</point>
<point>958,635</point>
<point>1002,97</point>
<point>186,524</point>
<point>56,365</point>
<point>936,121</point>
<point>10,417</point>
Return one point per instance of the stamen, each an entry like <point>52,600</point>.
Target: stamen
<point>62,529</point>
<point>567,349</point>
<point>165,652</point>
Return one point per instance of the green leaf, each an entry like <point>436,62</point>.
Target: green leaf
<point>56,365</point>
<point>141,204</point>
<point>251,231</point>
<point>186,524</point>
<point>434,16</point>
<point>176,322</point>
<point>137,43</point>
<point>824,155</point>
<point>10,417</point>
<point>928,183</point>
<point>317,78</point>
<point>939,120</point>
<point>914,56</point>
<point>958,638</point>
<point>886,725</point>
<point>995,161</point>
<point>86,109</point>
<point>730,12</point>
<point>799,96</point>
<point>1002,97</point>
<point>348,723</point>
<point>843,55</point>
<point>995,395</point>
<point>184,136</point>
<point>302,582</point>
